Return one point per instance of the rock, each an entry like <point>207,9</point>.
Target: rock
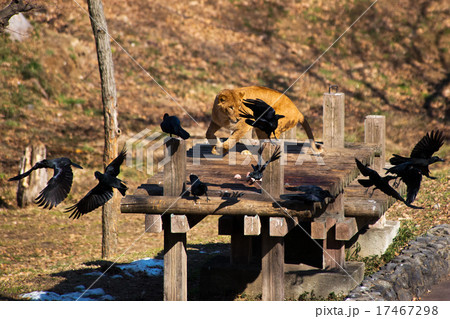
<point>19,28</point>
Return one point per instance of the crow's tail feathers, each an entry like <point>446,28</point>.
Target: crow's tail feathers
<point>184,134</point>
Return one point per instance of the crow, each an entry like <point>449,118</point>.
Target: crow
<point>309,193</point>
<point>381,183</point>
<point>263,118</point>
<point>411,176</point>
<point>198,188</point>
<point>103,192</point>
<point>171,125</point>
<point>258,170</point>
<point>58,187</point>
<point>421,155</point>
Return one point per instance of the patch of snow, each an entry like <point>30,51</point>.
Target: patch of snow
<point>89,295</point>
<point>150,266</point>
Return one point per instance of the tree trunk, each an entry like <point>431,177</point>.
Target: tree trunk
<point>112,132</point>
<point>30,187</point>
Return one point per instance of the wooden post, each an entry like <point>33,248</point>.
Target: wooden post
<point>273,179</point>
<point>175,257</point>
<point>112,132</point>
<point>272,248</point>
<point>375,133</point>
<point>30,186</point>
<point>272,263</point>
<point>175,263</point>
<point>333,119</point>
<point>241,245</point>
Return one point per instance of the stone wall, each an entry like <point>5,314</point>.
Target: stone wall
<point>420,265</point>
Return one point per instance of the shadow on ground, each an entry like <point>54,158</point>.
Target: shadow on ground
<point>139,286</point>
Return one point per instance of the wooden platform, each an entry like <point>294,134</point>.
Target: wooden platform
<point>260,217</point>
<point>332,171</point>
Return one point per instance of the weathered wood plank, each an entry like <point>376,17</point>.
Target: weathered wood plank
<point>175,167</point>
<point>153,223</point>
<point>346,229</point>
<point>333,120</point>
<point>215,206</point>
<point>273,179</point>
<point>375,132</point>
<point>280,226</point>
<point>179,223</point>
<point>252,225</point>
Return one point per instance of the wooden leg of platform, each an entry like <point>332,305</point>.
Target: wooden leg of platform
<point>241,246</point>
<point>272,264</point>
<point>333,250</point>
<point>175,264</point>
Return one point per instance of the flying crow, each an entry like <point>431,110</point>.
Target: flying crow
<point>263,118</point>
<point>103,192</point>
<point>58,187</point>
<point>421,155</point>
<point>258,170</point>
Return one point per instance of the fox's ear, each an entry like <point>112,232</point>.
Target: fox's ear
<point>241,94</point>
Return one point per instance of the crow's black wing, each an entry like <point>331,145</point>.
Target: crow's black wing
<point>114,167</point>
<point>429,144</point>
<point>259,108</point>
<point>96,197</point>
<point>365,182</point>
<point>363,168</point>
<point>57,189</point>
<point>25,174</point>
<point>245,114</point>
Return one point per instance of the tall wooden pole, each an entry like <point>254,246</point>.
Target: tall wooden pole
<point>112,132</point>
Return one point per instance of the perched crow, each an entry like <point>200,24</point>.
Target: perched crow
<point>411,176</point>
<point>258,170</point>
<point>264,116</point>
<point>103,192</point>
<point>171,125</point>
<point>198,188</point>
<point>421,155</point>
<point>308,193</point>
<point>381,183</point>
<point>58,187</point>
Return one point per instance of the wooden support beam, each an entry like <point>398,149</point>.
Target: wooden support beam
<point>175,168</point>
<point>179,223</point>
<point>280,226</point>
<point>272,263</point>
<point>173,204</point>
<point>225,225</point>
<point>318,229</point>
<point>273,180</point>
<point>241,245</point>
<point>333,120</point>
<point>346,229</point>
<point>252,225</point>
<point>153,223</point>
<point>334,250</point>
<point>175,263</point>
<point>375,133</point>
<point>175,257</point>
